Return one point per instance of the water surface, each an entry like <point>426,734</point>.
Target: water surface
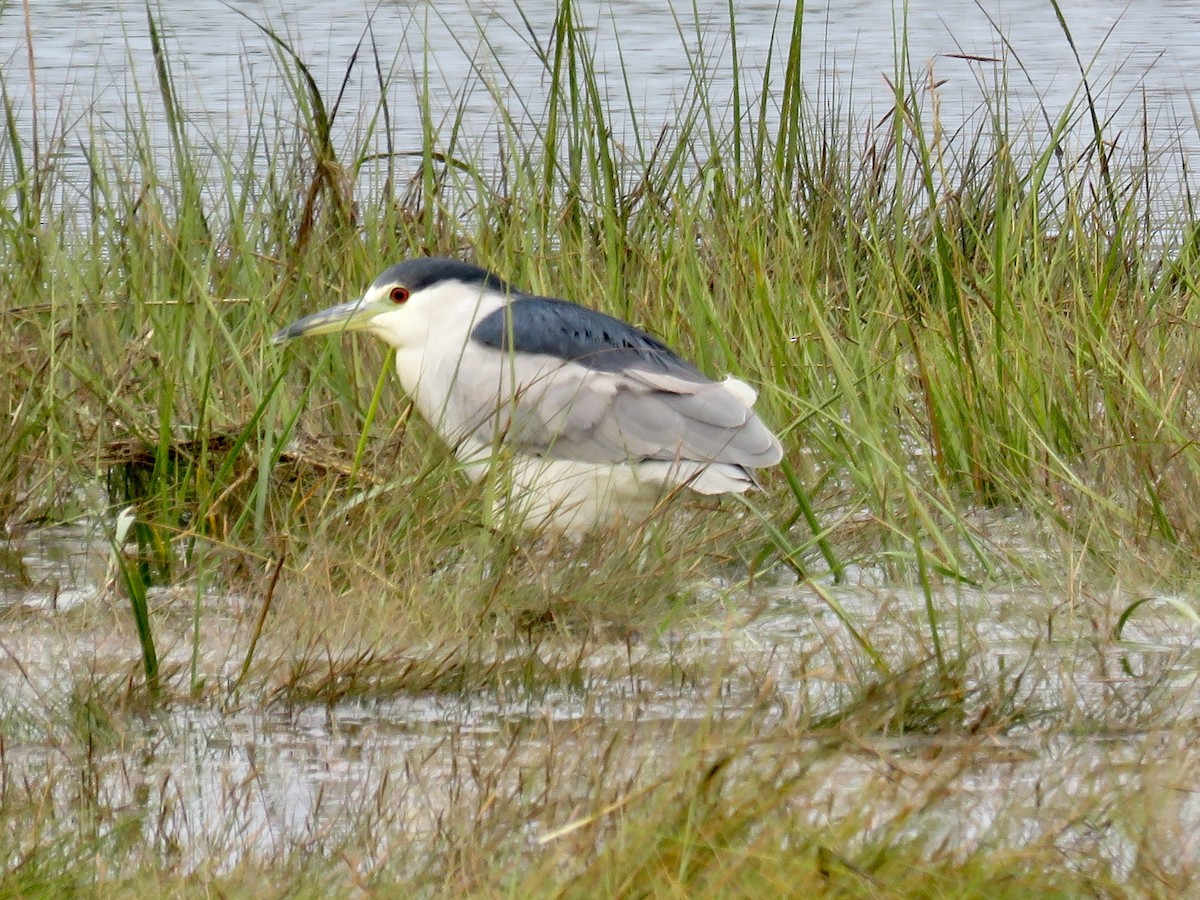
<point>93,66</point>
<point>235,777</point>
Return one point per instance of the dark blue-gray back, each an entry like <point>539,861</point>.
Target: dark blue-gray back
<point>572,332</point>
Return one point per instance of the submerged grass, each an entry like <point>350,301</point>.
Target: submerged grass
<point>722,766</point>
<point>946,330</point>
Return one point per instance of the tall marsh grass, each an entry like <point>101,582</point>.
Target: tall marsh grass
<point>945,328</point>
<point>938,324</point>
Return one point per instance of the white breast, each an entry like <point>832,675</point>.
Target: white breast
<point>436,349</point>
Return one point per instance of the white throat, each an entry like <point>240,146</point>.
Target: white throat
<point>432,337</point>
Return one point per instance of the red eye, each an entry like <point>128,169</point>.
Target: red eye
<point>399,295</point>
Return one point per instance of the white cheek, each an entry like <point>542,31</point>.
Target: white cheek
<point>434,316</point>
<point>392,327</point>
<point>431,334</point>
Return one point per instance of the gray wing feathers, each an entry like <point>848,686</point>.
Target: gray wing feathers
<point>714,406</point>
<point>568,411</point>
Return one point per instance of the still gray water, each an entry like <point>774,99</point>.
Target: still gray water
<point>222,785</point>
<point>93,68</point>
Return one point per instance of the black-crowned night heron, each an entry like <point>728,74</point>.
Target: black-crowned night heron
<point>600,419</point>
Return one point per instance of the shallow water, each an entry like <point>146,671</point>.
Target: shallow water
<point>92,65</point>
<point>225,781</point>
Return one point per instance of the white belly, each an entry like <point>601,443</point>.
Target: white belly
<point>565,495</point>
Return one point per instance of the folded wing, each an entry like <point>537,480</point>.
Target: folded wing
<point>584,386</point>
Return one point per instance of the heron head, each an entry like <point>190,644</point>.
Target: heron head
<point>405,299</point>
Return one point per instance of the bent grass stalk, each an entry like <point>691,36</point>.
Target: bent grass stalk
<point>135,587</point>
